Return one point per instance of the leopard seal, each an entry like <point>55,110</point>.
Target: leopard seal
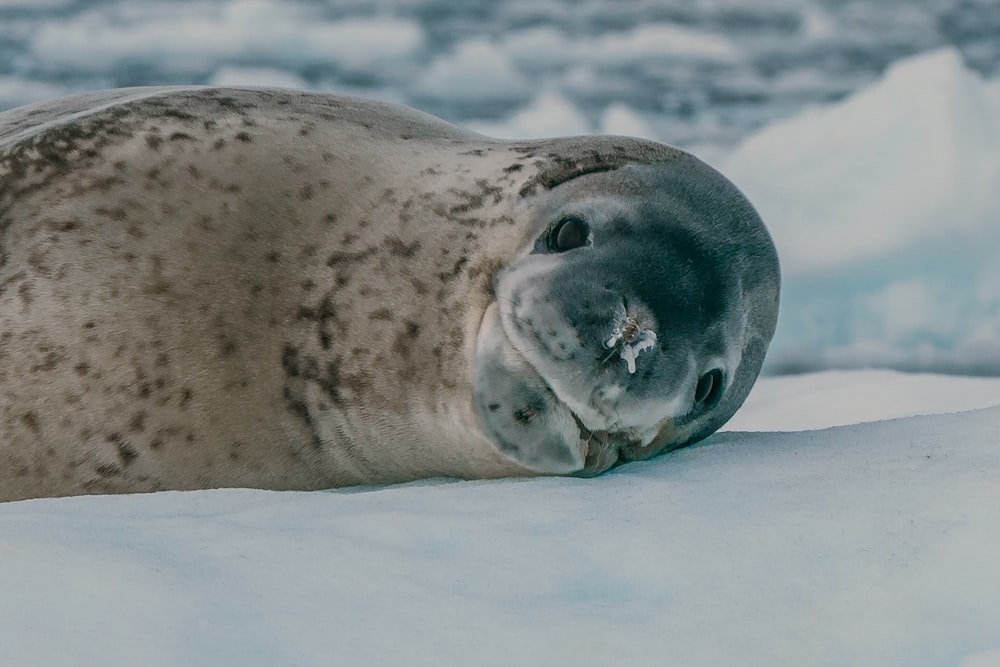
<point>210,287</point>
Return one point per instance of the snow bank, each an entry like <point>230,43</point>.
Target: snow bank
<point>860,545</point>
<point>474,70</point>
<point>835,398</point>
<point>886,212</point>
<point>911,159</point>
<point>549,114</point>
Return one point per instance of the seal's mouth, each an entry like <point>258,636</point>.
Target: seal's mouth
<point>609,449</point>
<point>604,449</point>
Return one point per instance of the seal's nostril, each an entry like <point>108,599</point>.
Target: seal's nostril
<point>709,388</point>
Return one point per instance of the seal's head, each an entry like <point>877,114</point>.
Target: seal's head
<point>634,321</point>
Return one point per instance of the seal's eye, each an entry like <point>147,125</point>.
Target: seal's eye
<point>708,389</point>
<point>567,234</point>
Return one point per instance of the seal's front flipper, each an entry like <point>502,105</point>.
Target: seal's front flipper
<point>526,422</point>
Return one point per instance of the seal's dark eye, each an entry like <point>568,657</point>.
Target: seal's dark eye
<point>568,233</point>
<point>708,389</point>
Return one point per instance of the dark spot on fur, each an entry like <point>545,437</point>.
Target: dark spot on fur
<point>50,360</point>
<point>126,452</point>
<point>476,200</point>
<point>181,136</point>
<point>30,420</point>
<point>357,382</point>
<point>273,257</point>
<point>493,407</point>
<point>398,248</point>
<point>517,166</point>
<point>306,192</point>
<point>219,144</point>
<point>330,381</point>
<point>338,258</point>
<point>119,213</point>
<point>186,396</point>
<point>108,470</point>
<point>244,137</point>
<point>154,141</point>
<point>446,276</point>
<point>290,361</point>
<point>138,422</point>
<point>227,346</point>
<point>381,314</point>
<point>176,113</point>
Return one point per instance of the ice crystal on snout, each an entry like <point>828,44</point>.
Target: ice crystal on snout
<point>631,344</point>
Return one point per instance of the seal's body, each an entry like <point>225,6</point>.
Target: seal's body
<point>287,290</point>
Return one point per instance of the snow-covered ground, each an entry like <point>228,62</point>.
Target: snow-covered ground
<point>871,544</point>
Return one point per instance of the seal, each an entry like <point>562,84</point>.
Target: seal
<point>208,287</point>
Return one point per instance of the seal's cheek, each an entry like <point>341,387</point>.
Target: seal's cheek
<point>519,413</point>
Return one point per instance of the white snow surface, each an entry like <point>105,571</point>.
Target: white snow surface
<point>870,544</point>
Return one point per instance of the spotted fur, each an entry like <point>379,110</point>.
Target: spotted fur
<point>219,287</point>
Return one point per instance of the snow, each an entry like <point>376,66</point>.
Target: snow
<point>868,544</point>
<point>621,119</point>
<point>549,114</point>
<point>914,157</point>
<point>834,398</point>
<point>476,69</point>
<point>885,210</point>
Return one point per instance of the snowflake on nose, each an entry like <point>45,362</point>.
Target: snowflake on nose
<point>633,339</point>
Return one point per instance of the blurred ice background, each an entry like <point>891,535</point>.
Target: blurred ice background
<point>867,133</point>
